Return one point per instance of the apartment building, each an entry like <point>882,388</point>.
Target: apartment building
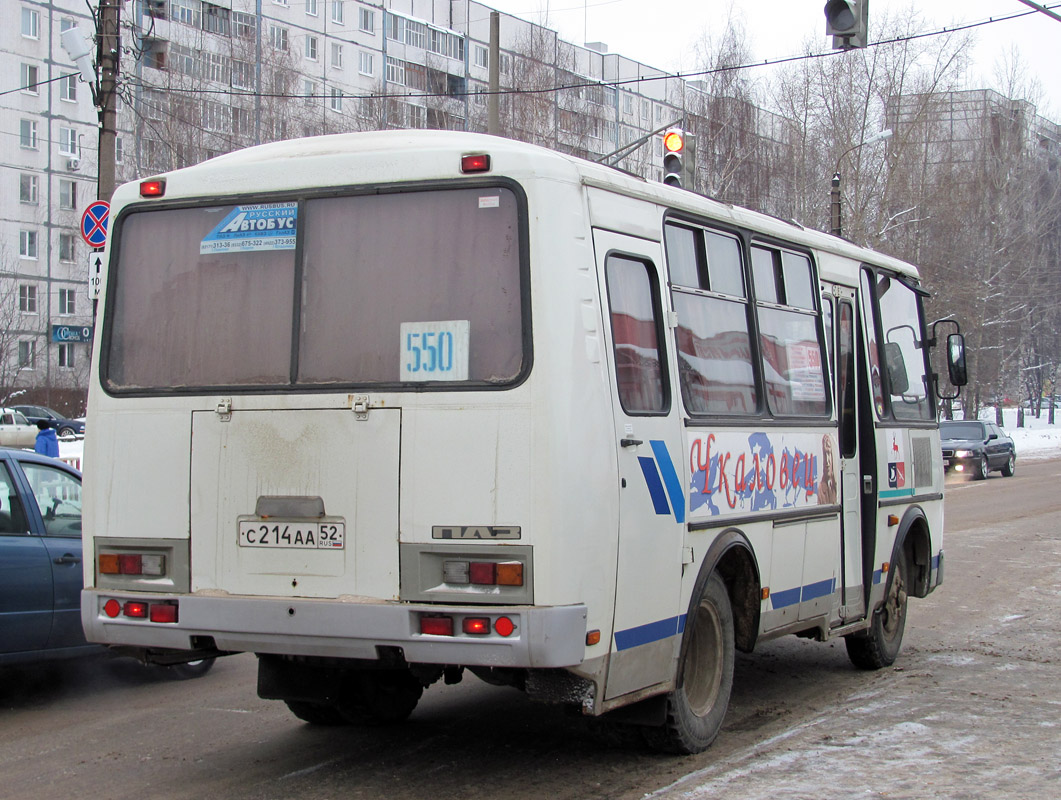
<point>200,78</point>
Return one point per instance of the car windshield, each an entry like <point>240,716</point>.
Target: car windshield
<point>961,430</point>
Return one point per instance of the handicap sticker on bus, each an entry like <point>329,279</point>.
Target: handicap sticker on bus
<point>248,229</point>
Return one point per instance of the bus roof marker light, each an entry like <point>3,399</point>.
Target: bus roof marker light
<point>479,162</point>
<point>153,188</point>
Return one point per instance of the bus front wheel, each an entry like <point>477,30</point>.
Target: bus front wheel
<point>697,706</point>
<point>879,645</point>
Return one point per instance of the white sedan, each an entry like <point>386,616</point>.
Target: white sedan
<point>16,430</point>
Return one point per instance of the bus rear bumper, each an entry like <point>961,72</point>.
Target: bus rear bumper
<point>541,636</point>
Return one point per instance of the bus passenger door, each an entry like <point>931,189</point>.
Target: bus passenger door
<point>851,485</point>
<point>652,508</point>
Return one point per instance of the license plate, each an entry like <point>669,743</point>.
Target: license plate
<point>299,534</point>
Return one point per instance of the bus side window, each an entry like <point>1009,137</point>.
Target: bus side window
<point>635,321</point>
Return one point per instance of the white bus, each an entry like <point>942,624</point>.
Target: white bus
<point>385,407</point>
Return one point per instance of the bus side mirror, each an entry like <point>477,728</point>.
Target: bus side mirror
<point>897,377</point>
<point>959,376</point>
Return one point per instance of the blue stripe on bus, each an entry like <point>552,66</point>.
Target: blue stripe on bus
<point>655,486</point>
<point>877,576</point>
<point>887,494</point>
<point>670,479</point>
<point>650,632</point>
<point>812,591</point>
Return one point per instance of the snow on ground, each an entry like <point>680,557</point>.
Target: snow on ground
<point>1036,439</point>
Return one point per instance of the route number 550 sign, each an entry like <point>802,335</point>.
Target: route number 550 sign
<point>435,351</point>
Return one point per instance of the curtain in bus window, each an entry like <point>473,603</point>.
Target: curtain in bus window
<point>373,262</point>
<point>635,336</point>
<point>681,254</point>
<point>868,303</point>
<point>183,318</point>
<point>792,363</point>
<point>903,351</point>
<point>714,355</point>
<point>724,264</point>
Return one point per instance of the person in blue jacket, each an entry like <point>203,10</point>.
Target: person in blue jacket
<point>47,443</point>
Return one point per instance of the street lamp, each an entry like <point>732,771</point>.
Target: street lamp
<point>835,210</point>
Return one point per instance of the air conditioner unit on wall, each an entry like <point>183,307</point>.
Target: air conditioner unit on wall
<point>73,164</point>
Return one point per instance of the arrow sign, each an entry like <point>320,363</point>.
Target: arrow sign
<point>95,273</point>
<point>94,223</point>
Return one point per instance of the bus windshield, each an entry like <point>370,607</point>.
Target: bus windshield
<point>392,288</point>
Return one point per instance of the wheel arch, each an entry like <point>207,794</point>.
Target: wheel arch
<point>914,543</point>
<point>731,555</point>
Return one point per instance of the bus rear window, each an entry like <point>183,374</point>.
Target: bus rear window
<point>396,288</point>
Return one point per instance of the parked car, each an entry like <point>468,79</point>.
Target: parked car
<point>40,563</point>
<point>16,430</point>
<point>977,448</point>
<point>62,425</point>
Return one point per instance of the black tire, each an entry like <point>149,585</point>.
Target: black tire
<point>66,433</point>
<point>879,646</point>
<point>1010,466</point>
<point>697,706</point>
<point>982,468</point>
<point>381,697</point>
<point>317,713</point>
<point>192,669</point>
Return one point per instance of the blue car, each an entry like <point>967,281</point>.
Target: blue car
<point>63,426</point>
<point>40,563</point>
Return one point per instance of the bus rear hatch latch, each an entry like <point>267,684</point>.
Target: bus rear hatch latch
<point>224,409</point>
<point>360,407</point>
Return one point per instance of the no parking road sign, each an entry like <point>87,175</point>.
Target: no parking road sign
<point>94,223</point>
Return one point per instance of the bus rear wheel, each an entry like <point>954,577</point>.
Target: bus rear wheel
<point>879,646</point>
<point>697,706</point>
<point>381,697</point>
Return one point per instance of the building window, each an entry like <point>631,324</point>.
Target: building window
<point>337,11</point>
<point>67,302</point>
<point>242,74</point>
<point>280,3</point>
<point>27,298</point>
<point>311,8</point>
<point>396,71</point>
<point>30,78</point>
<point>27,244</point>
<point>244,25</point>
<point>156,9</point>
<point>66,355</point>
<point>337,55</point>
<point>645,108</point>
<point>365,63</point>
<point>119,150</point>
<point>68,89</point>
<point>67,247</point>
<point>215,19</point>
<point>366,20</point>
<point>335,103</point>
<point>311,48</point>
<point>27,354</point>
<point>27,134</point>
<point>505,64</point>
<point>67,142</point>
<point>28,189</point>
<point>31,23</point>
<point>628,103</point>
<point>214,67</point>
<point>183,11</point>
<point>482,57</point>
<point>67,194</point>
<point>278,36</point>
<point>309,90</point>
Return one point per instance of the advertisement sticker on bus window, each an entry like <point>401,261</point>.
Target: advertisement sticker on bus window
<point>435,351</point>
<point>248,229</point>
<point>490,201</point>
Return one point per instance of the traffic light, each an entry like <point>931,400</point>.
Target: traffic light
<point>846,21</point>
<point>679,159</point>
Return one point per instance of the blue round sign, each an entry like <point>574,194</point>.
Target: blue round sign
<point>94,223</point>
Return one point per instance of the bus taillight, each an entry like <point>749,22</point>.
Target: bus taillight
<point>475,163</point>
<point>153,188</point>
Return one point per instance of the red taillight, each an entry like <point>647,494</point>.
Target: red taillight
<point>130,564</point>
<point>504,626</point>
<point>436,626</point>
<point>475,163</point>
<point>134,608</point>
<point>483,573</point>
<point>153,188</point>
<point>163,612</point>
<point>112,608</point>
<point>476,625</point>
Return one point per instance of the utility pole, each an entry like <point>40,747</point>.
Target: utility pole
<point>493,121</point>
<point>108,58</point>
